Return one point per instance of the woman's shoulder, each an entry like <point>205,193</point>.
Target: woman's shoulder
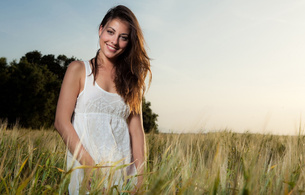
<point>75,69</point>
<point>76,66</point>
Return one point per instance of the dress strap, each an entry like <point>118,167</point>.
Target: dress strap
<point>88,68</point>
<point>89,76</point>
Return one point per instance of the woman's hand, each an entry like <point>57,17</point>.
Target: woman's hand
<point>88,173</point>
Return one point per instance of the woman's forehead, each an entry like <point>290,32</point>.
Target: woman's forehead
<point>118,25</point>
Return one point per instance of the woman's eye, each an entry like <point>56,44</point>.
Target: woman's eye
<point>110,32</point>
<point>124,38</point>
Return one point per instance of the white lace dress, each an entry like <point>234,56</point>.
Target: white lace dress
<point>100,120</point>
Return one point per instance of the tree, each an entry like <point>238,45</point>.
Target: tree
<point>33,57</point>
<point>58,65</point>
<point>31,93</point>
<point>149,118</point>
<point>3,70</point>
<point>53,65</point>
<point>64,61</point>
<point>30,88</point>
<point>4,76</point>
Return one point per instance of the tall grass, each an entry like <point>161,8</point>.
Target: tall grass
<point>226,163</point>
<point>33,162</point>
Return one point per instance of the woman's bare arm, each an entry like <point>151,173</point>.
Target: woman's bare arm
<point>137,136</point>
<point>71,87</point>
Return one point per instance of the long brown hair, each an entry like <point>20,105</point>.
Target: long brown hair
<point>133,64</point>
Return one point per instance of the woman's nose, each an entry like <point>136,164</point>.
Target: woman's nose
<point>115,40</point>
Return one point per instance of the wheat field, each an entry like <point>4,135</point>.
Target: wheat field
<point>33,162</point>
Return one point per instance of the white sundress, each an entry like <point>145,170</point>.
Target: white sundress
<point>100,121</point>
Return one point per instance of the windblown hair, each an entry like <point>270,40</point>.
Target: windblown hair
<point>133,64</point>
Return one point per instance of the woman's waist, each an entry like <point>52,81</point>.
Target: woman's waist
<point>103,115</point>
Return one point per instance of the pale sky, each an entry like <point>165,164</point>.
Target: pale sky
<point>235,65</point>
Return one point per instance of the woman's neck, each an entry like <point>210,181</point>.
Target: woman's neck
<point>104,62</point>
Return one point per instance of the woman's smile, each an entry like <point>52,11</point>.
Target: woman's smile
<point>112,48</point>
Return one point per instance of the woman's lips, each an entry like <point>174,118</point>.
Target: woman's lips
<point>111,48</point>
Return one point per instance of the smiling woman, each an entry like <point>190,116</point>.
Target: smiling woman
<point>114,38</point>
<point>104,96</point>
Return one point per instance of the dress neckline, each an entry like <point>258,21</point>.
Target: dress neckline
<point>98,86</point>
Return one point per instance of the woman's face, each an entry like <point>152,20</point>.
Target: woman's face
<point>114,38</point>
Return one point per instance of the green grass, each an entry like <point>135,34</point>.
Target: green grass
<point>33,162</point>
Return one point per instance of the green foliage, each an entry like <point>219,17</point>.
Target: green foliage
<point>30,89</point>
<point>33,57</point>
<point>149,118</point>
<point>3,72</point>
<point>35,94</point>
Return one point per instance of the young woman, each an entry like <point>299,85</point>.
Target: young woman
<point>104,96</point>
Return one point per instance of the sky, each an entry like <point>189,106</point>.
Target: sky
<point>217,64</point>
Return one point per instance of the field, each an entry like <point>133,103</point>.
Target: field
<point>33,162</point>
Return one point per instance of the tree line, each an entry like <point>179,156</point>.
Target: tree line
<point>30,90</point>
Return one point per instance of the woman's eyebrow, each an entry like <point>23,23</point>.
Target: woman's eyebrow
<point>115,31</point>
<point>112,28</point>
